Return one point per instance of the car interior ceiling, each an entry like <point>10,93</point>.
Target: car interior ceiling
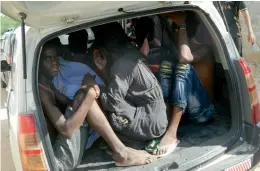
<point>211,75</point>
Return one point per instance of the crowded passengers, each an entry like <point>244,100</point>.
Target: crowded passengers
<point>131,92</point>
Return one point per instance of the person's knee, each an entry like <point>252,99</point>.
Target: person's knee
<point>81,94</point>
<point>182,67</point>
<point>185,60</point>
<point>182,73</point>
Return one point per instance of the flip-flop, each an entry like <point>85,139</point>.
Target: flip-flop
<point>153,145</point>
<point>169,149</point>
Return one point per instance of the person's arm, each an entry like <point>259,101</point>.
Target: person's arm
<point>65,101</point>
<point>66,127</point>
<point>185,53</point>
<point>144,49</point>
<point>113,98</point>
<point>245,13</point>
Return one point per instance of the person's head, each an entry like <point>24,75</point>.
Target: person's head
<point>144,30</point>
<point>56,42</point>
<point>110,42</point>
<point>49,64</point>
<point>78,41</point>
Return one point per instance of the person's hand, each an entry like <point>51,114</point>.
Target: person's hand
<point>251,38</point>
<point>9,60</point>
<point>97,90</point>
<point>145,48</point>
<point>89,80</point>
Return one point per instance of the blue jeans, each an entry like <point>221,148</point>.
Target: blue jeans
<point>182,88</point>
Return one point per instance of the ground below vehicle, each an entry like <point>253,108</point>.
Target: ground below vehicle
<point>232,140</point>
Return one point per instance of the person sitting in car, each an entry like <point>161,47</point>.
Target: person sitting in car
<point>182,88</point>
<point>132,97</point>
<point>69,130</point>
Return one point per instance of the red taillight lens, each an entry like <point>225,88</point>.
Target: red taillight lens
<point>243,166</point>
<point>30,150</point>
<point>252,91</point>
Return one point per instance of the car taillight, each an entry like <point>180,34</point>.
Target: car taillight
<point>252,92</point>
<point>30,150</point>
<point>243,166</point>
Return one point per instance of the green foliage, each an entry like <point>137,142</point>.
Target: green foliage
<point>7,23</point>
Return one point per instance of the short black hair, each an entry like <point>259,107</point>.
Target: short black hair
<point>144,29</point>
<point>53,43</point>
<point>109,35</point>
<point>78,40</point>
<point>80,36</point>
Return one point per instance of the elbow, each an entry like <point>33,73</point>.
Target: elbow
<point>66,132</point>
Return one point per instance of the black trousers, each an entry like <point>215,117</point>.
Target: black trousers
<point>238,42</point>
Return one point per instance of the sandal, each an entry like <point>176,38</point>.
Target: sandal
<point>168,148</point>
<point>153,147</point>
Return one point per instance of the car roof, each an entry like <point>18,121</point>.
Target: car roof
<point>44,14</point>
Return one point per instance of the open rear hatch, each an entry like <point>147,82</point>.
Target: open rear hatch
<point>43,14</point>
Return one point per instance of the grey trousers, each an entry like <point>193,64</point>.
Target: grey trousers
<point>69,152</point>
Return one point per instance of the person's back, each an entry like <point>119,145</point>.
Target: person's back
<point>141,100</point>
<point>144,87</point>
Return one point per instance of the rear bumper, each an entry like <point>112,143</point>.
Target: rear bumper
<point>242,157</point>
<point>256,161</point>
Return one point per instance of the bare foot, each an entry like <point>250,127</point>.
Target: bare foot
<point>132,157</point>
<point>167,145</point>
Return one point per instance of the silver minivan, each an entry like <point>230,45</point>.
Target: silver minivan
<point>230,142</point>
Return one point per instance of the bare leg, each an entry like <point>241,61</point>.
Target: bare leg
<point>122,155</point>
<point>170,137</point>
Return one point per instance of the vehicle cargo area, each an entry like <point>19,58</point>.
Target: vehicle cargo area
<point>198,141</point>
<point>195,141</point>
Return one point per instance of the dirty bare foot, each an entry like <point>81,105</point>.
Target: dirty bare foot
<point>167,145</point>
<point>132,157</point>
